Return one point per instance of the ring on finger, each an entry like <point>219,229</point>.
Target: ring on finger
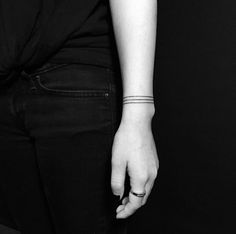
<point>138,194</point>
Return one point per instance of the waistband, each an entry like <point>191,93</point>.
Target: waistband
<point>15,73</point>
<point>31,73</point>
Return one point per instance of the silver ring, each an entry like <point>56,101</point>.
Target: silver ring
<point>138,194</point>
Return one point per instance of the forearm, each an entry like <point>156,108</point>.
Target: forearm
<point>134,23</point>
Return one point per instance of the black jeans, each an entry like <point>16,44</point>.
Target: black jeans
<point>56,132</point>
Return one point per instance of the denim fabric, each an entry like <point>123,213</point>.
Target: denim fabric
<point>56,132</point>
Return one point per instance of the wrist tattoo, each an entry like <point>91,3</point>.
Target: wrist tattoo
<point>138,99</point>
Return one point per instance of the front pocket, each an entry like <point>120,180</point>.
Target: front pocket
<point>75,81</point>
<point>77,93</point>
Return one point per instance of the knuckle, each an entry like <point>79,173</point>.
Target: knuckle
<point>116,164</point>
<point>154,174</point>
<point>116,185</point>
<point>142,177</point>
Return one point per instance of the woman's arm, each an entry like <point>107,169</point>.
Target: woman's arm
<point>134,24</point>
<point>133,148</point>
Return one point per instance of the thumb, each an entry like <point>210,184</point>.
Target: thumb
<point>118,178</point>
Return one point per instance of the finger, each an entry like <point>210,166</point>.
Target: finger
<point>149,185</point>
<point>148,189</point>
<point>134,202</point>
<point>118,172</point>
<point>121,207</point>
<point>130,207</point>
<point>125,200</point>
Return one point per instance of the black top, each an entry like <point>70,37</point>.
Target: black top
<point>33,32</point>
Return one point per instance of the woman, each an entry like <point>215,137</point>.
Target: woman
<point>66,138</point>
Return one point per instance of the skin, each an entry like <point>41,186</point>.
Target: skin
<point>133,148</point>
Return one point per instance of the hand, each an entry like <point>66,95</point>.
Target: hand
<point>133,149</point>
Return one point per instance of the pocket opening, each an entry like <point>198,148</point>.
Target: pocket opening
<point>78,93</point>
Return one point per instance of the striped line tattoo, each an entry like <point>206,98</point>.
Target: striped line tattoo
<point>138,99</point>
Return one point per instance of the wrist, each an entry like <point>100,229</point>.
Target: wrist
<point>138,113</point>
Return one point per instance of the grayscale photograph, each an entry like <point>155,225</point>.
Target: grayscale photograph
<point>117,117</point>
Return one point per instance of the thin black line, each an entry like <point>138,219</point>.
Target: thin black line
<point>138,99</point>
<point>136,102</point>
<point>138,96</point>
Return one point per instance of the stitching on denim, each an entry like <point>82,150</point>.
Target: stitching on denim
<point>85,92</point>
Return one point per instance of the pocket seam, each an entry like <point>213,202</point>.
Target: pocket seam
<point>82,92</point>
